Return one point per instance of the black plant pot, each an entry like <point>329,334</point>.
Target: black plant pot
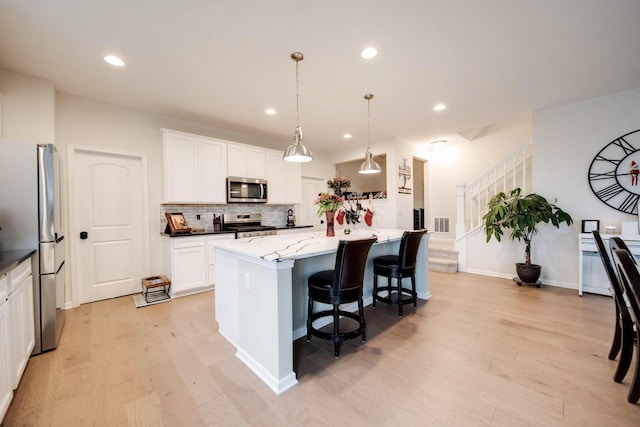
<point>528,274</point>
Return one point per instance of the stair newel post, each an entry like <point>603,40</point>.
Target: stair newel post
<point>460,214</point>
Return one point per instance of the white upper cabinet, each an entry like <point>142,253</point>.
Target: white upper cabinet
<point>195,168</point>
<point>246,161</point>
<point>284,180</point>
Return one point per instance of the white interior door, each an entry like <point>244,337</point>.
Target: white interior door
<point>108,196</point>
<point>311,187</point>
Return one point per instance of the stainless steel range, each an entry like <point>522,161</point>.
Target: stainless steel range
<point>247,225</point>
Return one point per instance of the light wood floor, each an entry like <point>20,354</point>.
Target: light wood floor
<point>481,351</point>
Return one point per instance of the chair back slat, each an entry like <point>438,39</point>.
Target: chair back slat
<point>618,290</point>
<point>351,260</point>
<point>630,279</point>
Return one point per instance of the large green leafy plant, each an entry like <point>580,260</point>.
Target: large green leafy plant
<point>521,214</point>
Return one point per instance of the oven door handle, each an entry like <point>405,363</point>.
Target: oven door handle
<point>262,191</point>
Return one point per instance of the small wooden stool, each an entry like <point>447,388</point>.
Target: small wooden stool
<point>148,288</point>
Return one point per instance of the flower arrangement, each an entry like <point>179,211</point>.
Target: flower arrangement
<point>328,203</point>
<point>339,185</point>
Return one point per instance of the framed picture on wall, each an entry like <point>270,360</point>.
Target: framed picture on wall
<point>176,223</point>
<point>588,225</point>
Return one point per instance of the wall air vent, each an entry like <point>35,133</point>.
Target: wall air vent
<point>441,225</point>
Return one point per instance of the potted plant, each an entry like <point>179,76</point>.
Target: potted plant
<point>521,214</point>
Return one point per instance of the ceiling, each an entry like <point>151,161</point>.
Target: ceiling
<point>223,62</point>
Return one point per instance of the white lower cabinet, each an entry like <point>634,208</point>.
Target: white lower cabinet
<point>6,391</point>
<point>189,263</point>
<point>22,334</point>
<point>211,254</point>
<point>17,333</point>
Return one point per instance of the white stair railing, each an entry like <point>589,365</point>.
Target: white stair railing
<point>514,171</point>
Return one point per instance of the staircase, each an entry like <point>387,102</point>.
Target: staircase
<point>514,171</point>
<point>442,256</point>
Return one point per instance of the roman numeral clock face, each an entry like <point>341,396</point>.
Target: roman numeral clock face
<point>615,171</point>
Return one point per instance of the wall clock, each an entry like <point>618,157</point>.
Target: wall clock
<point>614,173</point>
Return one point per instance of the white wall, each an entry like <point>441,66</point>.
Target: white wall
<point>461,162</point>
<point>81,121</point>
<point>27,108</point>
<point>565,141</point>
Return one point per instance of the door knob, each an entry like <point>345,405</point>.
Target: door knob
<point>83,235</point>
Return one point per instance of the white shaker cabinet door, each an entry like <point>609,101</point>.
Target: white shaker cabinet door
<point>195,168</point>
<point>180,168</point>
<point>6,391</point>
<point>22,335</point>
<point>246,161</point>
<point>213,171</point>
<point>284,180</point>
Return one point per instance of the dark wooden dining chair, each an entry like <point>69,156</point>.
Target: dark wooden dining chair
<point>623,329</point>
<point>341,285</point>
<point>630,279</point>
<point>398,267</point>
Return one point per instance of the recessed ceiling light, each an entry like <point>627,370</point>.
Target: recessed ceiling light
<point>347,136</point>
<point>270,111</point>
<point>438,143</point>
<point>114,60</point>
<point>369,53</point>
<point>439,107</point>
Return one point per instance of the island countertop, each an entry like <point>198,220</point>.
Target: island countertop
<point>302,245</point>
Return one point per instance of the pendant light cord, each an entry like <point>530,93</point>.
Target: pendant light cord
<point>369,123</point>
<point>297,96</point>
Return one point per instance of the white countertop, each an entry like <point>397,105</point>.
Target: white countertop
<point>302,245</point>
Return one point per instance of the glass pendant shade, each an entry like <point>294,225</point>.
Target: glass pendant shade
<point>369,166</point>
<point>297,152</point>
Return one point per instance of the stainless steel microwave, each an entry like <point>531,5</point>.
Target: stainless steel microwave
<point>246,190</point>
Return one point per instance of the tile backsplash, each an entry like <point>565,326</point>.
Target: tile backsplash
<point>271,215</point>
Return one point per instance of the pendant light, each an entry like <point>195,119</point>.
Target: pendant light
<point>369,165</point>
<point>297,152</point>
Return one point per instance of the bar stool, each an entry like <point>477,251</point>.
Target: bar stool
<point>398,267</point>
<point>340,286</point>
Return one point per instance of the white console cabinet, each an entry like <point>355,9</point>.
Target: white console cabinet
<point>592,276</point>
<point>195,168</point>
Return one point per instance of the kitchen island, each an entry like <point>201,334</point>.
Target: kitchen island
<point>261,292</point>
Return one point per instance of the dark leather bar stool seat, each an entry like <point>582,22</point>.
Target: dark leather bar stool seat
<point>342,285</point>
<point>398,267</point>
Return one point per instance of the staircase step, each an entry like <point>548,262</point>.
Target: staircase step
<point>439,253</point>
<point>443,265</point>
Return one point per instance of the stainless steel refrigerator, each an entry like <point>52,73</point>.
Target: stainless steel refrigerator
<point>31,218</point>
